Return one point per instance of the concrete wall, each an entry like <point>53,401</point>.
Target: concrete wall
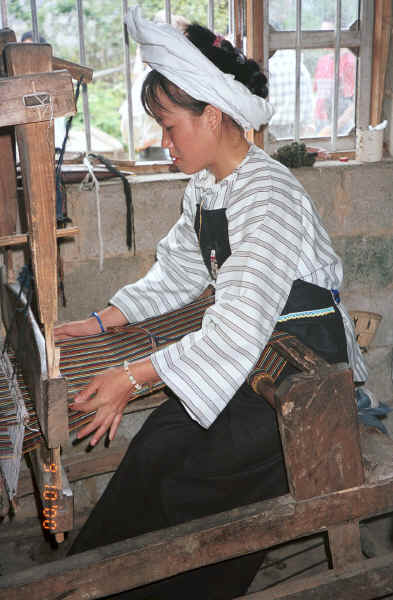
<point>156,204</point>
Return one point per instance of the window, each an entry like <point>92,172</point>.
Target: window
<point>319,64</point>
<point>317,53</point>
<point>91,32</point>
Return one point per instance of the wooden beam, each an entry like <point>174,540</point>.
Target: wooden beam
<point>238,24</point>
<point>77,71</point>
<point>344,544</point>
<point>254,12</point>
<point>55,494</point>
<point>8,188</point>
<point>19,239</point>
<point>382,29</point>
<point>36,97</point>
<point>37,153</point>
<point>8,192</point>
<point>365,580</point>
<point>154,556</point>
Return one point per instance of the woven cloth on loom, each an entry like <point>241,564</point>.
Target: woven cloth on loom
<point>82,358</point>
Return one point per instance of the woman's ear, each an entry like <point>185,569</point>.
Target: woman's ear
<point>212,116</point>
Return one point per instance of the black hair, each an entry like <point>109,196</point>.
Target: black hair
<point>28,35</point>
<point>226,57</point>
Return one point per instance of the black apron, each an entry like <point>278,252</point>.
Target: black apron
<point>175,470</point>
<point>323,334</point>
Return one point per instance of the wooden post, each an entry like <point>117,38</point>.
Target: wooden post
<point>382,29</point>
<point>317,417</point>
<point>255,49</point>
<point>344,543</point>
<point>238,24</point>
<point>326,457</point>
<point>8,192</point>
<point>37,153</point>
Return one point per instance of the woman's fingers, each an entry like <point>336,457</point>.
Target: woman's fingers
<point>114,426</point>
<point>86,430</point>
<point>107,394</point>
<point>102,422</point>
<point>84,395</point>
<point>100,431</point>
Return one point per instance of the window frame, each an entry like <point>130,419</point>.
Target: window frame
<point>360,39</point>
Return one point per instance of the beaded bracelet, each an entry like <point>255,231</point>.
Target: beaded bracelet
<point>136,385</point>
<point>97,316</point>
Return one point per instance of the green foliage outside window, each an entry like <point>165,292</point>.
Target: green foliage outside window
<point>58,24</point>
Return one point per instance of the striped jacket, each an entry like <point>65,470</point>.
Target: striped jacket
<point>276,236</point>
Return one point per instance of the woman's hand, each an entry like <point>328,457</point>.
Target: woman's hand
<point>72,329</point>
<point>108,394</point>
<point>110,317</point>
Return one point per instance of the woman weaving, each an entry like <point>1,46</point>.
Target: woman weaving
<point>249,228</point>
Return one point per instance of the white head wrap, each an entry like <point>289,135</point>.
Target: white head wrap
<point>170,53</point>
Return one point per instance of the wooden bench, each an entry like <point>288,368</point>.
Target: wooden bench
<point>338,475</point>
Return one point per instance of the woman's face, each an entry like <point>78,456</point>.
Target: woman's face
<point>187,136</point>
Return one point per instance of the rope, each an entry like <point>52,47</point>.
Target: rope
<point>61,218</point>
<point>130,227</point>
<point>91,182</point>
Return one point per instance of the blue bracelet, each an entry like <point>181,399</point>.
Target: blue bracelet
<point>94,314</point>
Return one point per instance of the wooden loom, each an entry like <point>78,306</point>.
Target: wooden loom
<point>32,94</point>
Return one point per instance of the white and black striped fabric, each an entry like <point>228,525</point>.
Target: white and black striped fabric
<point>276,237</point>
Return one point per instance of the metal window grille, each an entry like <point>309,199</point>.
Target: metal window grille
<point>294,38</point>
<point>82,58</point>
<point>333,42</point>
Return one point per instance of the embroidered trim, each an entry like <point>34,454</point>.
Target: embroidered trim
<point>306,314</point>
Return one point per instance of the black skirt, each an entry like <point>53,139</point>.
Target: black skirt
<point>175,470</point>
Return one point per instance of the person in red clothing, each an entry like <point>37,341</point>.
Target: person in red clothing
<point>324,90</point>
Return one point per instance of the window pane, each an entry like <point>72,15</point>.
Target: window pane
<point>321,14</point>
<point>192,11</point>
<point>282,14</point>
<point>197,11</point>
<point>282,94</point>
<point>318,14</point>
<point>321,65</point>
<point>349,13</point>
